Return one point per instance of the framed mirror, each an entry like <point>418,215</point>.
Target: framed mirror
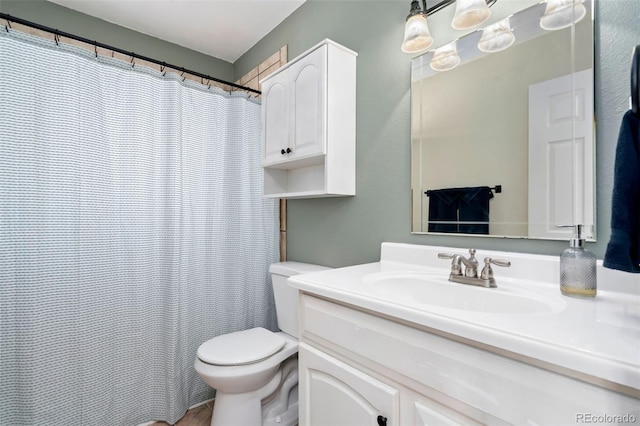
<point>503,141</point>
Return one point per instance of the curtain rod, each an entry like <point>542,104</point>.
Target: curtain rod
<point>10,19</point>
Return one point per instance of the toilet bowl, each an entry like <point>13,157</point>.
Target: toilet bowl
<point>241,388</point>
<point>255,371</point>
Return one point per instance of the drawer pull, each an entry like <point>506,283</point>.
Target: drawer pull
<point>382,421</point>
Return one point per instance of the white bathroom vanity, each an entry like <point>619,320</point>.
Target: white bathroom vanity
<point>396,343</point>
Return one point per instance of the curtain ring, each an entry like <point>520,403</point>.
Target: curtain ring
<point>95,47</point>
<point>6,27</point>
<point>133,57</point>
<point>182,75</point>
<point>208,84</point>
<point>56,38</point>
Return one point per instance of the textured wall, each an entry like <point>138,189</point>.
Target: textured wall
<point>345,231</point>
<point>339,232</point>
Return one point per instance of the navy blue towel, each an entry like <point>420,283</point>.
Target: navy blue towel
<point>455,205</point>
<point>443,207</point>
<point>623,250</point>
<point>474,207</point>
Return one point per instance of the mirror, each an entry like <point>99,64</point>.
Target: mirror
<point>503,144</point>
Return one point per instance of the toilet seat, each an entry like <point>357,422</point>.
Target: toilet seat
<point>240,348</point>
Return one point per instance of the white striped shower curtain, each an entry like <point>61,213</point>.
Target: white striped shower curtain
<point>132,229</point>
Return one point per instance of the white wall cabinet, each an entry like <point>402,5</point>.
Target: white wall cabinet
<point>308,125</point>
<point>371,366</point>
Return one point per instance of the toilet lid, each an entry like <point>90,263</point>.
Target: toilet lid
<point>241,347</point>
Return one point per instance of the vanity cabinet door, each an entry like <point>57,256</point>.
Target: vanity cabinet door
<point>333,393</point>
<point>419,410</point>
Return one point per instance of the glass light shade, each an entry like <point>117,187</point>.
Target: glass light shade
<point>445,58</point>
<point>561,14</point>
<point>470,14</point>
<point>496,37</point>
<point>416,34</point>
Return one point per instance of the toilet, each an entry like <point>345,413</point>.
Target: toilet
<point>255,371</point>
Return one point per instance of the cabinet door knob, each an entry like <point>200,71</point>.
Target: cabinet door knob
<point>382,421</point>
<point>288,150</point>
<point>282,151</point>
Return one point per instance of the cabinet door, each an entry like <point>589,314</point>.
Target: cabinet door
<point>308,103</point>
<point>275,118</point>
<point>333,393</point>
<point>419,410</point>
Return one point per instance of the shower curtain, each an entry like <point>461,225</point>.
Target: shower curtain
<point>132,229</point>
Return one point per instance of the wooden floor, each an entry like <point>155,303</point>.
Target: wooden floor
<point>198,416</point>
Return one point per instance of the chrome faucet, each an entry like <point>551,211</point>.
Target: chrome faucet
<point>470,275</point>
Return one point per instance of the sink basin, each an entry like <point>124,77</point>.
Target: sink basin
<point>428,290</point>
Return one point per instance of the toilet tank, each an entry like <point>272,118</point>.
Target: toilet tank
<point>286,297</point>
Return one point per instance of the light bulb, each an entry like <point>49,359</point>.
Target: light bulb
<point>416,34</point>
<point>470,14</point>
<point>561,14</point>
<point>496,37</point>
<point>445,58</point>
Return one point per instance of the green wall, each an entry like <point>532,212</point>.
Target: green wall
<point>67,20</point>
<point>345,231</point>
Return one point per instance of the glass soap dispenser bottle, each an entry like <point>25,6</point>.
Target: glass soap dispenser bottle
<point>578,268</point>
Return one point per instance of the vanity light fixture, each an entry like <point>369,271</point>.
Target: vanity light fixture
<point>445,58</point>
<point>561,14</point>
<point>469,14</point>
<point>496,37</point>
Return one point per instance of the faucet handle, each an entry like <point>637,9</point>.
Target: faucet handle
<point>487,271</point>
<point>499,262</point>
<point>456,268</point>
<point>445,256</point>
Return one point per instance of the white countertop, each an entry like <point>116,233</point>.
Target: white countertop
<point>599,337</point>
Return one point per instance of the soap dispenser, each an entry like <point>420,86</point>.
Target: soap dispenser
<point>577,268</point>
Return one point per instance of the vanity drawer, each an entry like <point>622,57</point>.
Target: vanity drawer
<point>501,387</point>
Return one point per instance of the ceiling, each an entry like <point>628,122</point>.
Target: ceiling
<point>224,29</point>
